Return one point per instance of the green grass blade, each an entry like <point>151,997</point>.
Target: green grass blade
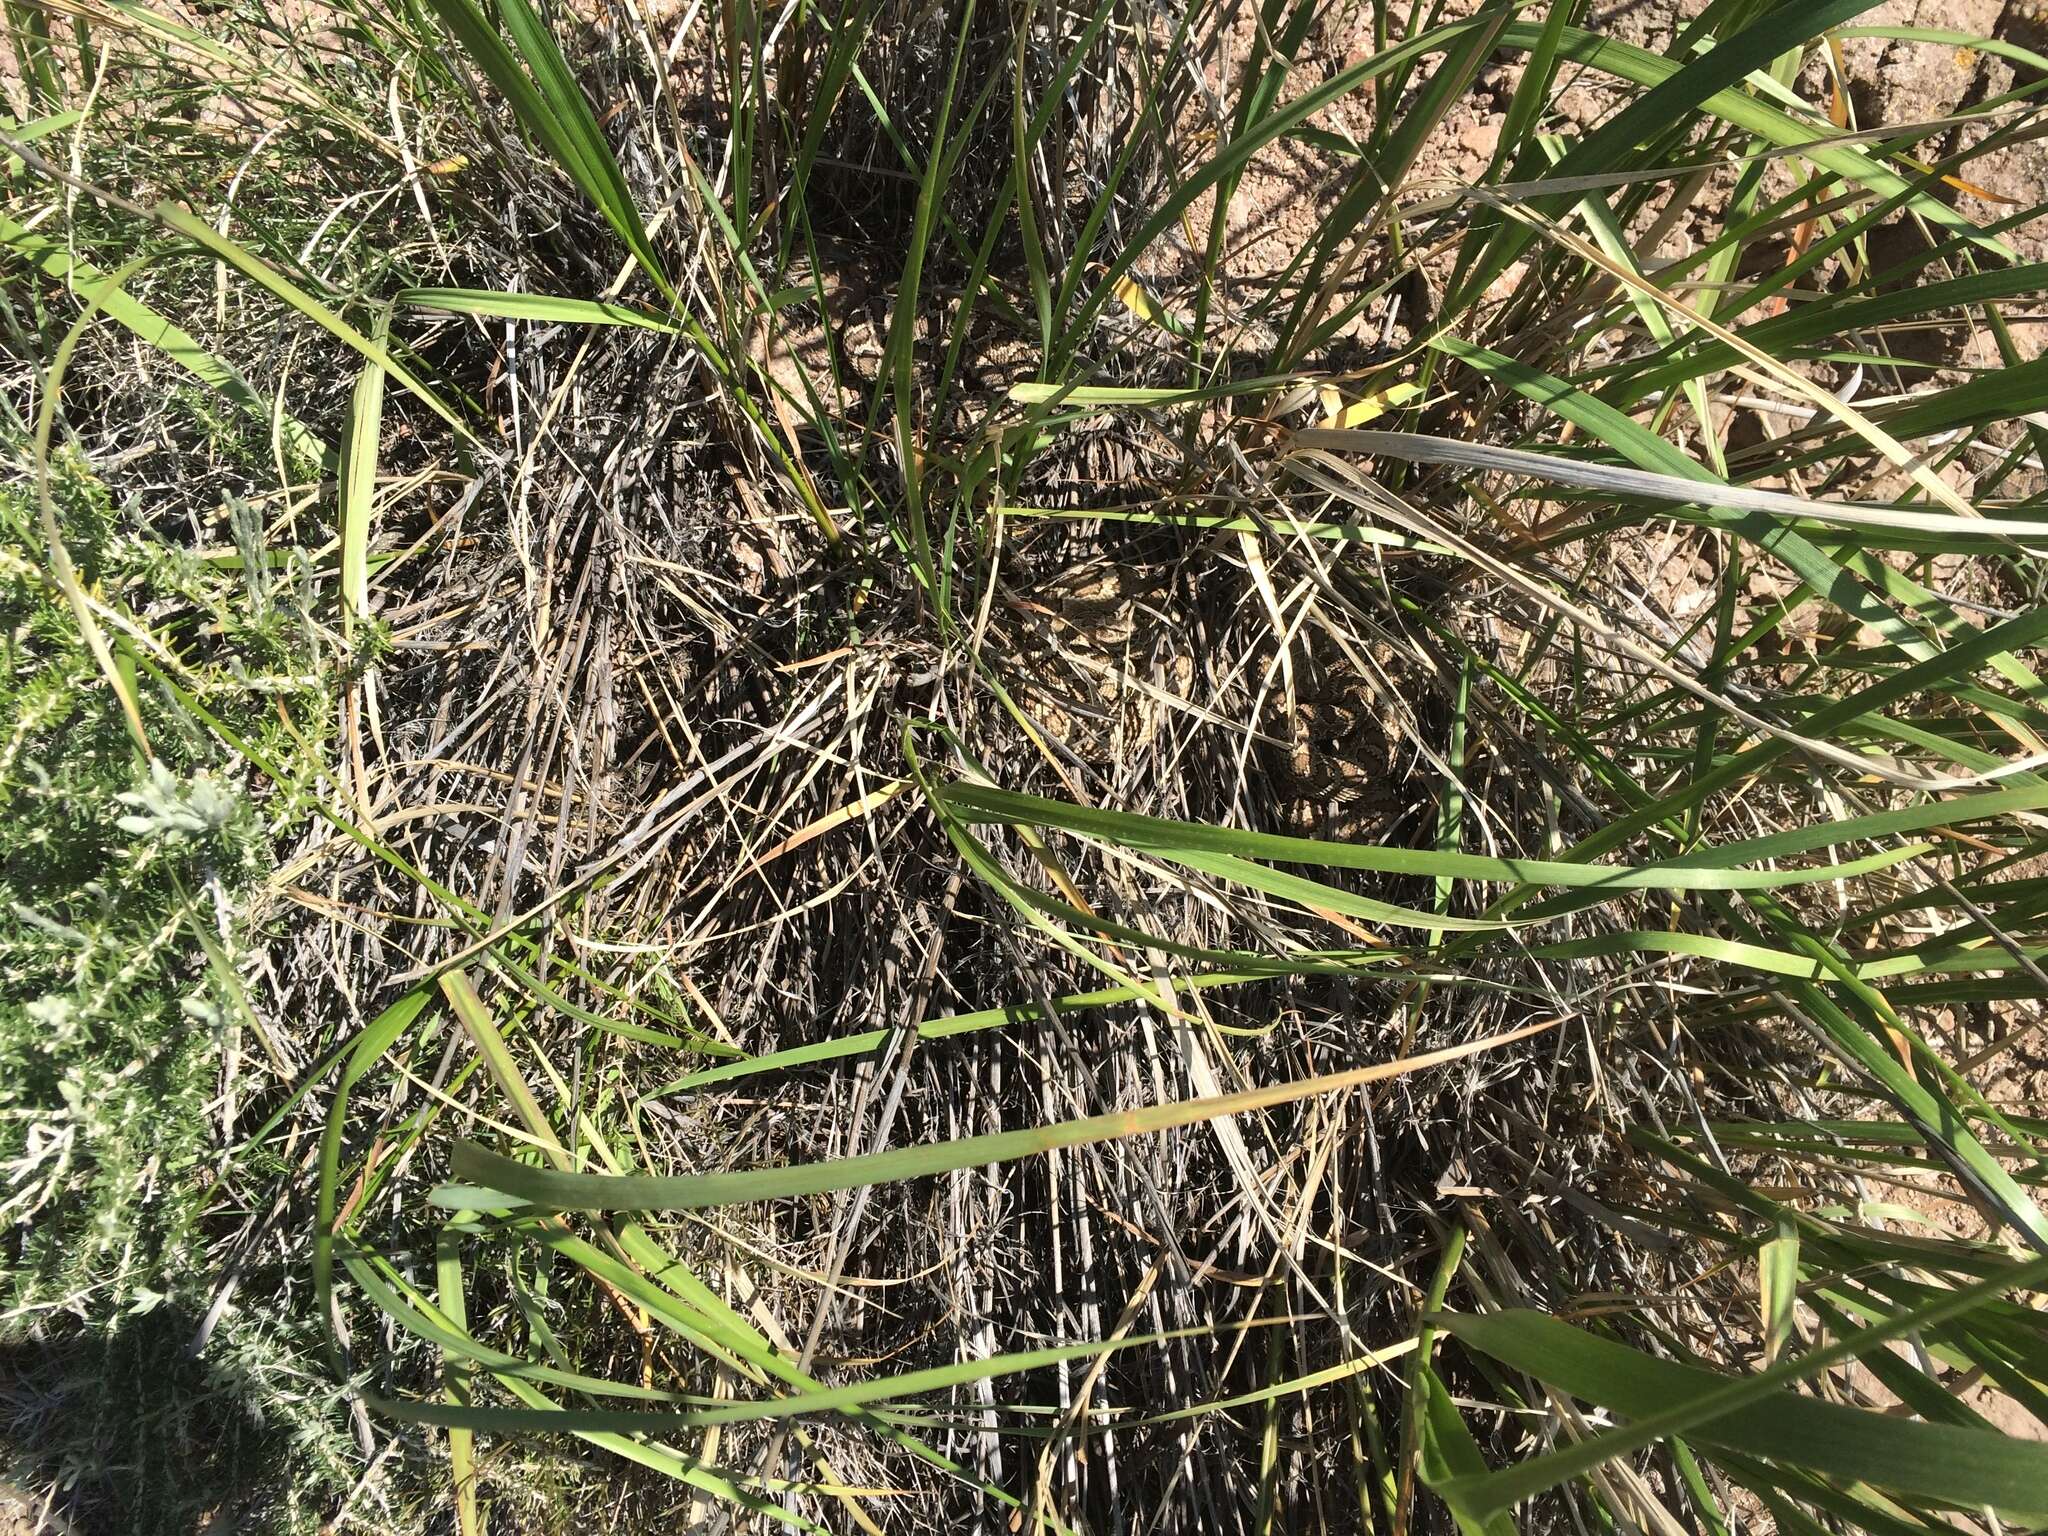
<point>541,308</point>
<point>1488,1494</point>
<point>573,122</point>
<point>1677,88</point>
<point>1971,1468</point>
<point>377,1038</point>
<point>820,1400</point>
<point>51,257</point>
<point>1705,870</point>
<point>281,287</point>
<point>552,106</point>
<point>1240,150</point>
<point>932,1029</point>
<point>497,1178</point>
<point>453,1296</point>
<point>1647,451</point>
<point>360,440</point>
<point>490,1044</point>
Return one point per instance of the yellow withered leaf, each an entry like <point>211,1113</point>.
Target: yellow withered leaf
<point>1338,412</point>
<point>1138,299</point>
<point>1961,185</point>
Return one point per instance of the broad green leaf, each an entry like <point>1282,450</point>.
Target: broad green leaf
<point>1446,1450</point>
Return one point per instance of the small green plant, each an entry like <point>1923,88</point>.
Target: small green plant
<point>100,899</point>
<point>122,930</point>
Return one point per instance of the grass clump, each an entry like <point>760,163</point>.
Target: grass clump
<point>1277,769</point>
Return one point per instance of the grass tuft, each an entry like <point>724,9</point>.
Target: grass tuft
<point>1194,770</point>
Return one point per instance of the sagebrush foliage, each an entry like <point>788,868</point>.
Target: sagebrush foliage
<point>125,886</point>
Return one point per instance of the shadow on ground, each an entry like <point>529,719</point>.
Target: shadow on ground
<point>132,1432</point>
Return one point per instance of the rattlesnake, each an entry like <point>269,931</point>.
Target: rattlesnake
<point>1337,774</point>
<point>1331,766</point>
